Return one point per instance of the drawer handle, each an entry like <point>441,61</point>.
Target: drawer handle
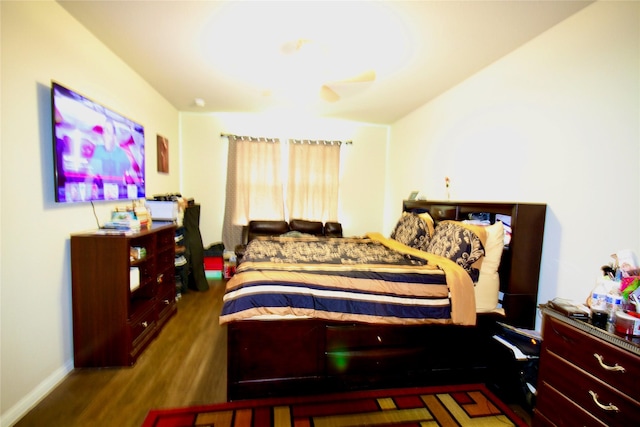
<point>160,278</point>
<point>616,367</point>
<point>609,407</point>
<point>144,324</point>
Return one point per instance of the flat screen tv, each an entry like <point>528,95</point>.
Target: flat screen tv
<point>98,153</point>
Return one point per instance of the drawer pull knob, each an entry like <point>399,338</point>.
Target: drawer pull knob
<point>610,407</point>
<point>145,324</point>
<point>615,367</point>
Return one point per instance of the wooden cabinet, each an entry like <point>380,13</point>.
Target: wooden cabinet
<point>587,377</point>
<point>120,303</point>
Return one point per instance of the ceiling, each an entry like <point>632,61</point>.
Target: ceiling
<point>236,56</point>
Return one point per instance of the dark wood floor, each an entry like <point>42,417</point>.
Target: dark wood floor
<point>185,365</point>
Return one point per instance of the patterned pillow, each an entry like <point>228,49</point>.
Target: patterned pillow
<point>413,231</point>
<point>461,245</point>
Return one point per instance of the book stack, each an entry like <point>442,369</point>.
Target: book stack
<point>123,221</point>
<point>142,215</point>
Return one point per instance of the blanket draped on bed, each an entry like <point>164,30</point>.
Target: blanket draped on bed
<point>371,280</point>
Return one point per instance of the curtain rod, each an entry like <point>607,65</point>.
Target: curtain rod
<point>251,138</point>
<point>348,142</point>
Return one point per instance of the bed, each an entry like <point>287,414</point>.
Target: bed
<point>414,308</point>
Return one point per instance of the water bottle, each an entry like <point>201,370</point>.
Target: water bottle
<point>599,298</point>
<point>614,304</point>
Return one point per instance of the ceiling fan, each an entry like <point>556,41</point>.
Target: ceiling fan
<point>317,57</point>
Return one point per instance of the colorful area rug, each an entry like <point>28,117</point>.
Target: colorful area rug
<point>459,406</point>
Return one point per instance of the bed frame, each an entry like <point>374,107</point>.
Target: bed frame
<point>290,357</point>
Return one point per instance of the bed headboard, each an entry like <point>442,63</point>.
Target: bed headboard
<point>520,264</point>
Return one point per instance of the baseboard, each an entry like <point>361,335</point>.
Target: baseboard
<point>20,409</point>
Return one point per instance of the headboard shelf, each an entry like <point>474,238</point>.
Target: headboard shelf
<point>520,264</point>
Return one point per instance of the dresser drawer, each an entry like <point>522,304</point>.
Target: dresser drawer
<point>588,392</point>
<point>383,361</point>
<point>357,349</point>
<point>554,409</point>
<point>355,337</point>
<point>142,326</point>
<point>612,365</point>
<point>166,303</point>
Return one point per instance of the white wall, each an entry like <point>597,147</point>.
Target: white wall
<point>40,43</point>
<point>558,122</point>
<point>362,163</point>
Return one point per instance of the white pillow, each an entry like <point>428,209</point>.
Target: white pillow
<point>488,284</point>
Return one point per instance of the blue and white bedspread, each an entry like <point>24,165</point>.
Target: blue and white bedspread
<point>370,280</point>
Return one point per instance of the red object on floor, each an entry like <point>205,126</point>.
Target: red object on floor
<point>213,263</point>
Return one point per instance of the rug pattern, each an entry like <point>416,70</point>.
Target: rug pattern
<point>452,406</point>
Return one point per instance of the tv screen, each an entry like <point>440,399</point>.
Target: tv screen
<point>98,153</point>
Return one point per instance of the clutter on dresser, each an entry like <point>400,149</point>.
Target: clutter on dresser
<point>614,302</point>
<point>163,210</point>
<point>127,220</point>
<point>168,207</point>
<point>122,219</point>
<point>570,308</point>
<point>168,210</point>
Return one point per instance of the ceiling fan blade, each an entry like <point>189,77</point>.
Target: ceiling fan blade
<point>366,76</point>
<point>328,94</point>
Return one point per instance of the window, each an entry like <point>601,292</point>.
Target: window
<point>269,180</point>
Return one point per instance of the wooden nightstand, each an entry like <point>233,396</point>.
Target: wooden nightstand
<point>587,376</point>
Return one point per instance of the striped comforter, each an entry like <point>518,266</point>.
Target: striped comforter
<point>371,280</point>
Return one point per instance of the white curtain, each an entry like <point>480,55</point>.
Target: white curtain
<point>254,185</point>
<point>258,172</point>
<point>313,183</point>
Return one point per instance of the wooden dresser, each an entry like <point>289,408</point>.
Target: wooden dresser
<point>587,377</point>
<point>120,304</point>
